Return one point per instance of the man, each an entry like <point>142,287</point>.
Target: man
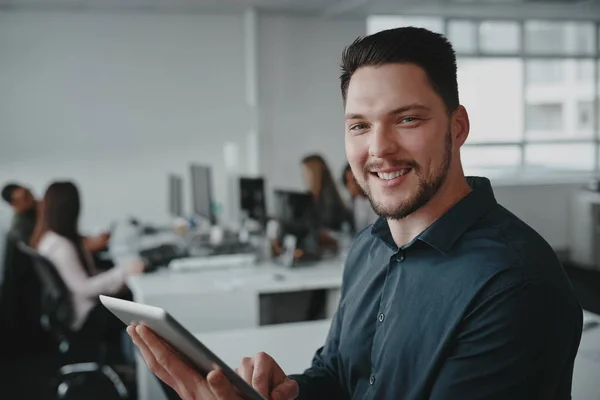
<point>449,295</point>
<point>24,206</point>
<point>363,214</point>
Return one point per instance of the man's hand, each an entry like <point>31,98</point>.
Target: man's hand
<point>262,372</point>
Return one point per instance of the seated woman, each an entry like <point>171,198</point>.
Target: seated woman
<point>332,212</point>
<point>56,237</point>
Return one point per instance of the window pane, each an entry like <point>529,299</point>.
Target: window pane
<point>499,37</point>
<point>546,118</point>
<point>574,156</point>
<point>377,23</point>
<point>493,100</point>
<point>545,72</point>
<point>462,36</point>
<point>558,94</point>
<point>569,38</point>
<point>476,158</point>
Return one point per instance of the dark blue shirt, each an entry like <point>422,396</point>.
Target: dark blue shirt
<point>475,307</point>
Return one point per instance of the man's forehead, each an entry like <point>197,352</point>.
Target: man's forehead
<point>400,83</point>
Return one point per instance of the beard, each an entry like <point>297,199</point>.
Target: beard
<point>427,187</point>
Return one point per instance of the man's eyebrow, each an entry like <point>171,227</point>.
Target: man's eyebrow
<point>399,110</point>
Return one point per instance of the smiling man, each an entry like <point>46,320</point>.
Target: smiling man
<point>448,295</point>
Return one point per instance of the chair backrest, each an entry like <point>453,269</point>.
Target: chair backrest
<point>57,307</point>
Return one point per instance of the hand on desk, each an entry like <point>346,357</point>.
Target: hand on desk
<point>261,371</point>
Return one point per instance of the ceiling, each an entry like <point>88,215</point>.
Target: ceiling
<point>560,8</point>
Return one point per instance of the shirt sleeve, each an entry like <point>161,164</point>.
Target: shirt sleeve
<point>519,342</point>
<point>64,257</point>
<point>321,380</point>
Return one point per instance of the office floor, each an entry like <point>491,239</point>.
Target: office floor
<point>25,379</point>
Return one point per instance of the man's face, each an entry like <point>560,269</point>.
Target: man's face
<point>398,139</point>
<point>22,200</point>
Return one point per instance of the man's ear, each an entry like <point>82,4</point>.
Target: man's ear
<point>460,125</point>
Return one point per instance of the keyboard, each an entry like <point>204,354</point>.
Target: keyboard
<point>213,262</point>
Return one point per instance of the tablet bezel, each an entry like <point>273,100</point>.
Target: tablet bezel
<point>186,345</point>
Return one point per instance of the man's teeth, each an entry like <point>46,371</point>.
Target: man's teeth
<point>391,175</point>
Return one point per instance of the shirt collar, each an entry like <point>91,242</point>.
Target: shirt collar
<point>447,229</point>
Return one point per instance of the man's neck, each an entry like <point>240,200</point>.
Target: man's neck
<point>451,192</point>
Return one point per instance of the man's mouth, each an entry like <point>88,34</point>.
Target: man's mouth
<point>387,176</point>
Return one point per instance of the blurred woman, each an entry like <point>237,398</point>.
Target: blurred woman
<point>332,212</point>
<point>57,238</point>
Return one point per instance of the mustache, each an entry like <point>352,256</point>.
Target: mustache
<point>391,164</point>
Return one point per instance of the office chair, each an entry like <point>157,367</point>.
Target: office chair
<point>81,359</point>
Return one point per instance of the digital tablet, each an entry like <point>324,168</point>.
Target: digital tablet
<point>190,349</point>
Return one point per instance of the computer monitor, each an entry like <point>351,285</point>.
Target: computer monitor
<point>202,198</point>
<point>292,206</point>
<point>297,215</point>
<point>252,198</point>
<point>175,195</point>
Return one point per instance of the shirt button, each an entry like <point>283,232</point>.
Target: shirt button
<point>400,256</point>
<point>372,380</point>
<point>381,317</point>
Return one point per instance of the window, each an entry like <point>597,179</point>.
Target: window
<point>477,158</point>
<point>530,87</point>
<point>492,99</point>
<point>540,72</point>
<point>463,35</point>
<point>585,116</point>
<point>545,118</point>
<point>563,156</point>
<point>555,90</point>
<point>379,23</point>
<point>499,37</point>
<point>560,38</point>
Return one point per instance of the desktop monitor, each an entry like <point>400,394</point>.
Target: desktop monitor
<point>175,195</point>
<point>252,198</point>
<point>293,207</point>
<point>298,216</point>
<point>202,198</point>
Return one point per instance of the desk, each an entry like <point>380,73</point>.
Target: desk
<point>307,337</point>
<point>225,299</point>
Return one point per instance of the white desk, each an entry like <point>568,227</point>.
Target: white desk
<point>228,299</point>
<point>307,337</point>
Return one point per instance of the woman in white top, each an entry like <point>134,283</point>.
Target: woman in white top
<point>57,238</point>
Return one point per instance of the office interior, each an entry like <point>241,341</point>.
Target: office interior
<point>184,123</point>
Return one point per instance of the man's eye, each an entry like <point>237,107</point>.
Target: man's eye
<point>407,120</point>
<point>358,127</point>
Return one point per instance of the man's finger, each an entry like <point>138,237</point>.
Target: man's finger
<point>246,369</point>
<point>149,358</point>
<point>220,386</point>
<point>287,390</point>
<point>262,378</point>
<point>185,378</point>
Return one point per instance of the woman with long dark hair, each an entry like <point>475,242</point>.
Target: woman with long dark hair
<point>56,237</point>
<point>331,208</point>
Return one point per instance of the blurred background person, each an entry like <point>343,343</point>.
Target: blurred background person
<point>24,205</point>
<point>363,214</point>
<point>330,211</point>
<point>56,237</point>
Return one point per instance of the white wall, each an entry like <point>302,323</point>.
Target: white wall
<point>300,99</point>
<point>118,101</point>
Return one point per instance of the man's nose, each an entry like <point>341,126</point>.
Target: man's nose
<point>384,141</point>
